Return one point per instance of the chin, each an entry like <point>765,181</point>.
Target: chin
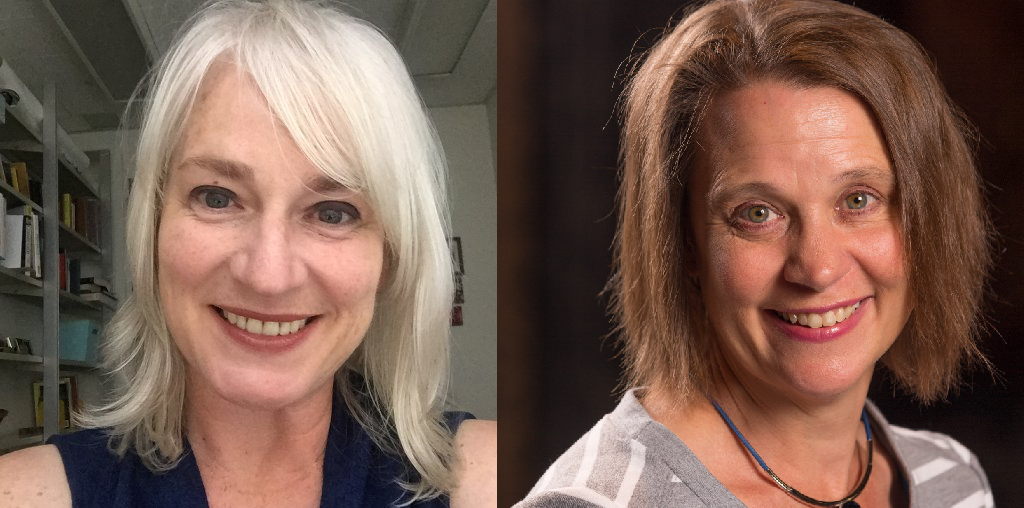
<point>261,390</point>
<point>826,380</point>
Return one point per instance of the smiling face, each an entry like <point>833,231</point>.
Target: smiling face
<point>792,204</point>
<point>268,271</point>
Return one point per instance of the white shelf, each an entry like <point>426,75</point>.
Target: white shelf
<point>29,133</point>
<point>32,362</point>
<point>19,358</point>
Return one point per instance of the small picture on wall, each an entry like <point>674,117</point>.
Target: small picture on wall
<point>457,315</point>
<point>455,245</point>
<point>460,296</point>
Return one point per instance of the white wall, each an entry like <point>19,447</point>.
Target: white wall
<point>466,135</point>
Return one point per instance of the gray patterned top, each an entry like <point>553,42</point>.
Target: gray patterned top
<point>629,460</point>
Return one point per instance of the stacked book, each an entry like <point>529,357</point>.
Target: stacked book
<point>97,289</point>
<point>22,243</point>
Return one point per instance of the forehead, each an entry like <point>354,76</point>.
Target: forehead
<point>774,129</point>
<point>228,103</point>
<point>232,132</point>
<point>767,113</point>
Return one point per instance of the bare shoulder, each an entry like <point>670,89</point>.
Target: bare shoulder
<point>476,444</point>
<point>34,477</point>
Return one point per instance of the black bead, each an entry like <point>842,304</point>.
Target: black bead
<point>850,504</point>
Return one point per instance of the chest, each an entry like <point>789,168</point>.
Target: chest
<point>299,489</point>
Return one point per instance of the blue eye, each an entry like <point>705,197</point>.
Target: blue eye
<point>336,212</point>
<point>217,199</point>
<point>213,197</point>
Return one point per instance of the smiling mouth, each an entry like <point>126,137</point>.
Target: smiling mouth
<point>268,328</point>
<point>814,320</point>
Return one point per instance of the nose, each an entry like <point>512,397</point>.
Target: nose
<point>817,256</point>
<point>268,260</point>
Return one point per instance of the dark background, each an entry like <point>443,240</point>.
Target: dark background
<point>560,67</point>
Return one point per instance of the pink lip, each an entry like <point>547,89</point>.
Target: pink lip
<point>265,343</point>
<point>823,334</point>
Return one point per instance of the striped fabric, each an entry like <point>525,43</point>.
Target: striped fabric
<point>629,460</point>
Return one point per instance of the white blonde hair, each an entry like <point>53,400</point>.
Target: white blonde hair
<point>344,95</point>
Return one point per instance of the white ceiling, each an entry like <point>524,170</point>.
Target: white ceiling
<point>97,50</point>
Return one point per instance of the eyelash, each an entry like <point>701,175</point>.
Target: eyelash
<point>348,211</point>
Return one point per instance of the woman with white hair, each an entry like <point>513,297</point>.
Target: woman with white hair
<point>287,340</point>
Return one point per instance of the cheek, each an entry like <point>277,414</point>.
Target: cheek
<point>172,249</point>
<point>882,256</point>
<point>357,273</point>
<point>738,271</point>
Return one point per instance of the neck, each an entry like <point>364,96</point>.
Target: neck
<point>817,444</point>
<point>233,440</point>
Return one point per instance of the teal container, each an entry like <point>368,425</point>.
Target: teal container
<point>78,340</point>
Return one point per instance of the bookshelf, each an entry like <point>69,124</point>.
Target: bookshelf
<point>33,308</point>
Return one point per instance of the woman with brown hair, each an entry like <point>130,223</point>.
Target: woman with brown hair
<point>799,202</point>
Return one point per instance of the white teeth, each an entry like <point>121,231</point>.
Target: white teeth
<point>813,320</point>
<point>271,328</point>
<point>829,319</point>
<point>254,325</point>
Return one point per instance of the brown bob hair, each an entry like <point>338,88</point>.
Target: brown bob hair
<point>725,45</point>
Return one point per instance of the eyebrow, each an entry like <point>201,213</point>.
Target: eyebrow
<point>240,171</point>
<point>865,173</point>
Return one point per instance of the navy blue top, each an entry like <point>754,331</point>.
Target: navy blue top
<point>356,472</point>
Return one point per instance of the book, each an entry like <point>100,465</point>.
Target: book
<point>104,298</point>
<point>26,248</point>
<point>86,216</point>
<point>99,281</point>
<point>92,288</point>
<point>14,238</point>
<point>63,264</point>
<point>65,404</point>
<point>19,171</point>
<point>14,178</point>
<point>31,241</point>
<point>66,211</point>
<point>35,190</point>
<point>74,275</point>
<point>36,253</point>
